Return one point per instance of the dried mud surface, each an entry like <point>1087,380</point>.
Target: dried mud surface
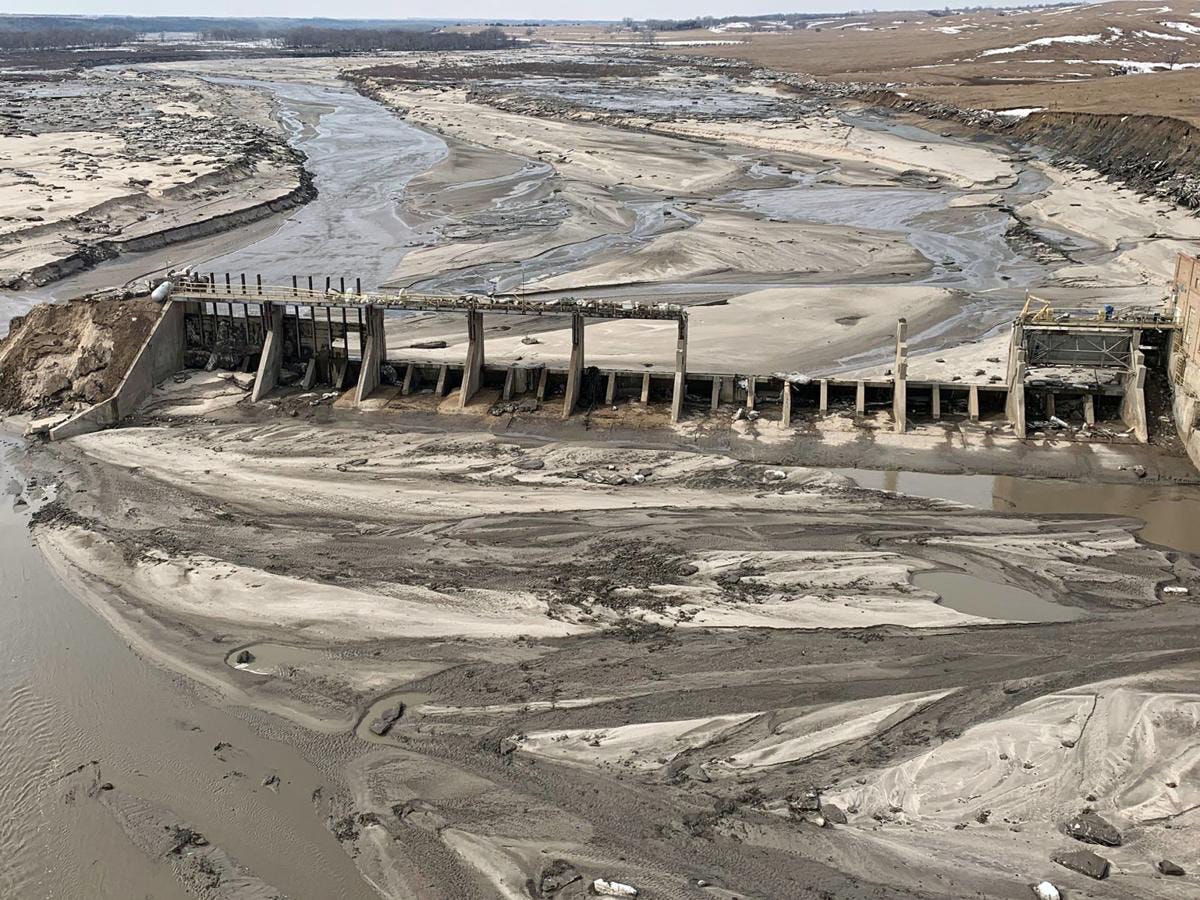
<point>658,667</point>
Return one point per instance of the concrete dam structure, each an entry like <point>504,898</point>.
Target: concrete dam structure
<point>1066,367</point>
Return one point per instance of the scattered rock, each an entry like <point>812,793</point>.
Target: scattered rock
<point>529,464</point>
<point>428,345</point>
<point>244,658</point>
<point>530,339</point>
<point>1092,829</point>
<point>556,876</point>
<point>243,380</point>
<point>1046,891</point>
<point>387,719</point>
<point>271,781</point>
<point>695,772</point>
<point>833,814</point>
<point>1085,862</point>
<point>606,888</point>
<point>1169,868</point>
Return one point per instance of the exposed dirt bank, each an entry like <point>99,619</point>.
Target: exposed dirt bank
<point>188,159</point>
<point>59,356</point>
<point>1154,154</point>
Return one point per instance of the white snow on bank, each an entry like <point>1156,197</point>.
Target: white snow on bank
<point>952,29</point>
<point>697,43</point>
<point>1185,27</point>
<point>1159,36</point>
<point>1045,42</point>
<point>1019,113</point>
<point>1144,68</point>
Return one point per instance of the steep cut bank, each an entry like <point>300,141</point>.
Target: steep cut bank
<point>90,254</point>
<point>1153,154</point>
<point>62,355</point>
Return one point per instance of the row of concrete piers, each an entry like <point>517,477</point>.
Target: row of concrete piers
<point>1060,365</point>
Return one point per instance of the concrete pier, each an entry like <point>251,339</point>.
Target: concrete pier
<point>823,403</point>
<point>786,397</point>
<point>680,387</point>
<point>374,354</point>
<point>1014,407</point>
<point>575,367</point>
<point>1133,403</point>
<point>271,360</point>
<point>900,380</point>
<point>473,369</point>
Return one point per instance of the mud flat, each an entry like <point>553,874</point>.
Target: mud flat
<point>639,662</point>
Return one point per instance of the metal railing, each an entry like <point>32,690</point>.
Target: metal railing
<point>203,289</point>
<point>1039,311</point>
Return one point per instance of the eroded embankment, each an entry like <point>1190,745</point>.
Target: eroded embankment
<point>1154,154</point>
<point>90,254</point>
<point>78,352</point>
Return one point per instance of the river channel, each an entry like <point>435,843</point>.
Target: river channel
<point>75,694</point>
<point>82,708</point>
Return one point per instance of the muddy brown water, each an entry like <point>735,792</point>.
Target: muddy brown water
<point>1170,512</point>
<point>72,692</point>
<point>977,596</point>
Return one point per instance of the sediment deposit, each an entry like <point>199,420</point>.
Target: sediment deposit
<point>407,653</point>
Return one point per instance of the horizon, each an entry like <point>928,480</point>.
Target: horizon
<point>526,10</point>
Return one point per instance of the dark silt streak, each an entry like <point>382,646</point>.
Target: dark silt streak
<point>73,692</point>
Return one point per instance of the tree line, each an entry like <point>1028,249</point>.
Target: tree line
<point>62,37</point>
<point>350,40</point>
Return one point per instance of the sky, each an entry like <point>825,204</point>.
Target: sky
<point>474,9</point>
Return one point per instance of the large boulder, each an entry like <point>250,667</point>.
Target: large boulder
<point>1085,862</point>
<point>1092,829</point>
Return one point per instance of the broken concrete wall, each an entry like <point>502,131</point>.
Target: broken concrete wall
<point>160,355</point>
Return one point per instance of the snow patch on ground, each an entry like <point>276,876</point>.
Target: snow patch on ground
<point>1045,42</point>
<point>1158,36</point>
<point>1185,27</point>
